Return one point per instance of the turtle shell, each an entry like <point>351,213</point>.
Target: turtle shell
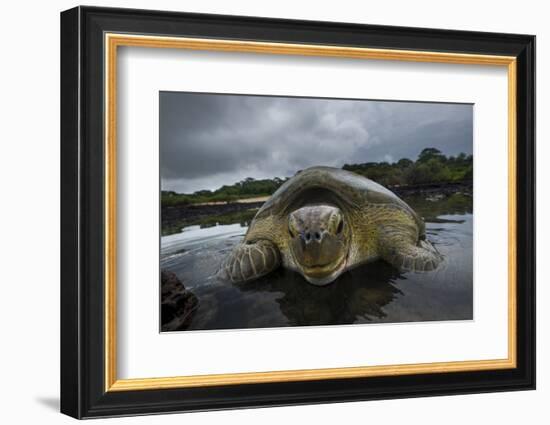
<point>342,188</point>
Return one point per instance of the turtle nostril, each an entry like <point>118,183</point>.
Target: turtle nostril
<point>308,236</point>
<point>317,236</point>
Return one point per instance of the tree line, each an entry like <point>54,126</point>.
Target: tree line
<point>431,166</point>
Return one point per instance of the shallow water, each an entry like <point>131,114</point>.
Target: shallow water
<point>372,293</point>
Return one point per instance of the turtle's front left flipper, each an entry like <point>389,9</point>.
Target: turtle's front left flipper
<point>409,255</point>
<point>249,261</point>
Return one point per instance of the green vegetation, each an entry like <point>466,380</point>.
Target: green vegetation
<point>430,167</point>
<point>248,188</point>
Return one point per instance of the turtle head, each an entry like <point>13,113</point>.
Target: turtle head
<point>319,242</point>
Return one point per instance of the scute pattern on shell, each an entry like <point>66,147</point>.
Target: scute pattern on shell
<point>352,189</point>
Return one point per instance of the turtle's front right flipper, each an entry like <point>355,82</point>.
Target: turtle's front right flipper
<point>420,257</point>
<point>401,250</point>
<point>249,261</point>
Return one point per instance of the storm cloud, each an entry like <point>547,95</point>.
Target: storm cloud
<point>208,140</point>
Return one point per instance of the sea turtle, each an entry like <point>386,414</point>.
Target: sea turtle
<point>324,221</point>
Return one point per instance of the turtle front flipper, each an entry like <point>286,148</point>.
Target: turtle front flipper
<point>249,261</point>
<point>407,255</point>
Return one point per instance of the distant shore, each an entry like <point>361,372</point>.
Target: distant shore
<point>184,215</point>
<point>188,214</point>
<point>253,200</point>
<point>433,188</point>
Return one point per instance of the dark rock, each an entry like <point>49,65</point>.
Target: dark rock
<point>434,189</point>
<point>178,305</point>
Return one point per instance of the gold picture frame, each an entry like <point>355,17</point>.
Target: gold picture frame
<point>114,41</point>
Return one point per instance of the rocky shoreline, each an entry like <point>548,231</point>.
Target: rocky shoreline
<point>428,189</point>
<point>192,213</point>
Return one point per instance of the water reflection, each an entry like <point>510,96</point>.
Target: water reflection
<point>357,296</point>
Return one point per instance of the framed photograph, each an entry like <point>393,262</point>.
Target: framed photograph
<point>261,212</point>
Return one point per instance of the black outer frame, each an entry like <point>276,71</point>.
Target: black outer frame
<point>82,216</point>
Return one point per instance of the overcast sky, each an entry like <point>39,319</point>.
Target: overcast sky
<point>208,140</point>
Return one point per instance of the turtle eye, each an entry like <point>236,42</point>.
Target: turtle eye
<point>340,227</point>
